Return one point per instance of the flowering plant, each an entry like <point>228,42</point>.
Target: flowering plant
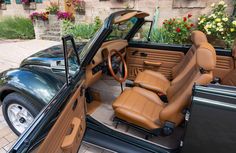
<point>53,7</point>
<point>79,5</point>
<point>39,16</point>
<point>218,23</point>
<point>178,29</point>
<point>26,2</point>
<point>65,16</point>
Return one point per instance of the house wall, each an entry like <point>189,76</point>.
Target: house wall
<point>102,8</point>
<point>14,9</point>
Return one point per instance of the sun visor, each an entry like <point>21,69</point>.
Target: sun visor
<point>129,15</point>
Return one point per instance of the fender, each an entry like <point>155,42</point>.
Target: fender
<point>38,85</point>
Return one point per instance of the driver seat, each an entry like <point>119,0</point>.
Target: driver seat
<point>157,82</point>
<point>145,109</point>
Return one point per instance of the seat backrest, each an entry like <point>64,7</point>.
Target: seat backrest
<point>200,72</point>
<point>197,37</point>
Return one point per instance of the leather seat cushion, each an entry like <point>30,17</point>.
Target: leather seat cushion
<point>153,81</point>
<point>140,107</point>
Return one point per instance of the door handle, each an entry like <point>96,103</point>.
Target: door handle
<point>143,54</point>
<point>72,138</point>
<point>152,63</point>
<point>134,52</point>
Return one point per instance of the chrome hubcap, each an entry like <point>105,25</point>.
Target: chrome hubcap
<point>19,117</point>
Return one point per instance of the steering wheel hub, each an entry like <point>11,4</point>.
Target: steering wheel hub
<point>111,67</point>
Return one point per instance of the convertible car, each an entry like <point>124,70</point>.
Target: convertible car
<point>120,92</point>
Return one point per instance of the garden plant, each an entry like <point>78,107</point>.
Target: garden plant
<point>16,28</point>
<point>219,24</point>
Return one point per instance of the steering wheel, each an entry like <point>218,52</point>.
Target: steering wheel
<point>112,65</point>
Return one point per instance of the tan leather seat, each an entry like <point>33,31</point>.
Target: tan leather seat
<point>156,81</point>
<point>144,108</point>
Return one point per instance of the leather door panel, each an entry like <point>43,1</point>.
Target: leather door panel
<point>67,133</point>
<point>224,64</point>
<point>230,77</point>
<point>139,59</point>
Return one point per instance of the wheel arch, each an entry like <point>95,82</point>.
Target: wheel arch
<point>36,86</point>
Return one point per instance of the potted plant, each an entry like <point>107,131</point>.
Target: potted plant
<point>79,6</point>
<point>2,5</point>
<point>52,9</point>
<point>39,20</point>
<point>28,4</point>
<point>65,16</point>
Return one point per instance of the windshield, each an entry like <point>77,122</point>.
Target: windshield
<point>120,30</point>
<point>87,47</point>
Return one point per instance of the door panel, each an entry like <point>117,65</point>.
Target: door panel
<point>139,59</point>
<point>224,64</point>
<point>67,133</point>
<point>230,77</point>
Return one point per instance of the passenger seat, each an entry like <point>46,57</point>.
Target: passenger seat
<point>156,81</point>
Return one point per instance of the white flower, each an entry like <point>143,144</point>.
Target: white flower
<point>221,2</point>
<point>213,4</point>
<point>234,22</point>
<point>221,29</point>
<point>212,16</point>
<point>219,24</point>
<point>208,32</point>
<point>225,19</point>
<point>198,19</point>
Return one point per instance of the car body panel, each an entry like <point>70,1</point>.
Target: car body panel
<point>211,126</point>
<point>37,85</point>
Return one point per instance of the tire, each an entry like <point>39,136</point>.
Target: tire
<point>19,102</point>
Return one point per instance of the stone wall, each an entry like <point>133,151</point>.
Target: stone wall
<point>102,8</point>
<point>166,8</point>
<point>14,9</point>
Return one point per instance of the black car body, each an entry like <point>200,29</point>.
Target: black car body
<point>210,127</point>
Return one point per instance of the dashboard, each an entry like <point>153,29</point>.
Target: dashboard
<point>98,65</point>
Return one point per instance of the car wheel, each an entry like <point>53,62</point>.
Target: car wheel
<point>19,112</point>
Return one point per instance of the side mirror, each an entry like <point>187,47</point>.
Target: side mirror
<point>71,57</point>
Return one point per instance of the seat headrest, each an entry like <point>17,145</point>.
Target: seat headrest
<point>198,37</point>
<point>206,56</point>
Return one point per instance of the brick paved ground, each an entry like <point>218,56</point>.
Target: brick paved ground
<point>7,137</point>
<point>11,54</point>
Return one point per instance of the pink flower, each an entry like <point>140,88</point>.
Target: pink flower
<point>64,16</point>
<point>25,1</point>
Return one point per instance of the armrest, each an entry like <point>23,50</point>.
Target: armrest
<point>152,63</point>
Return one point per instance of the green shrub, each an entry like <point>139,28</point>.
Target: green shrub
<point>16,28</point>
<point>159,35</point>
<point>82,30</point>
